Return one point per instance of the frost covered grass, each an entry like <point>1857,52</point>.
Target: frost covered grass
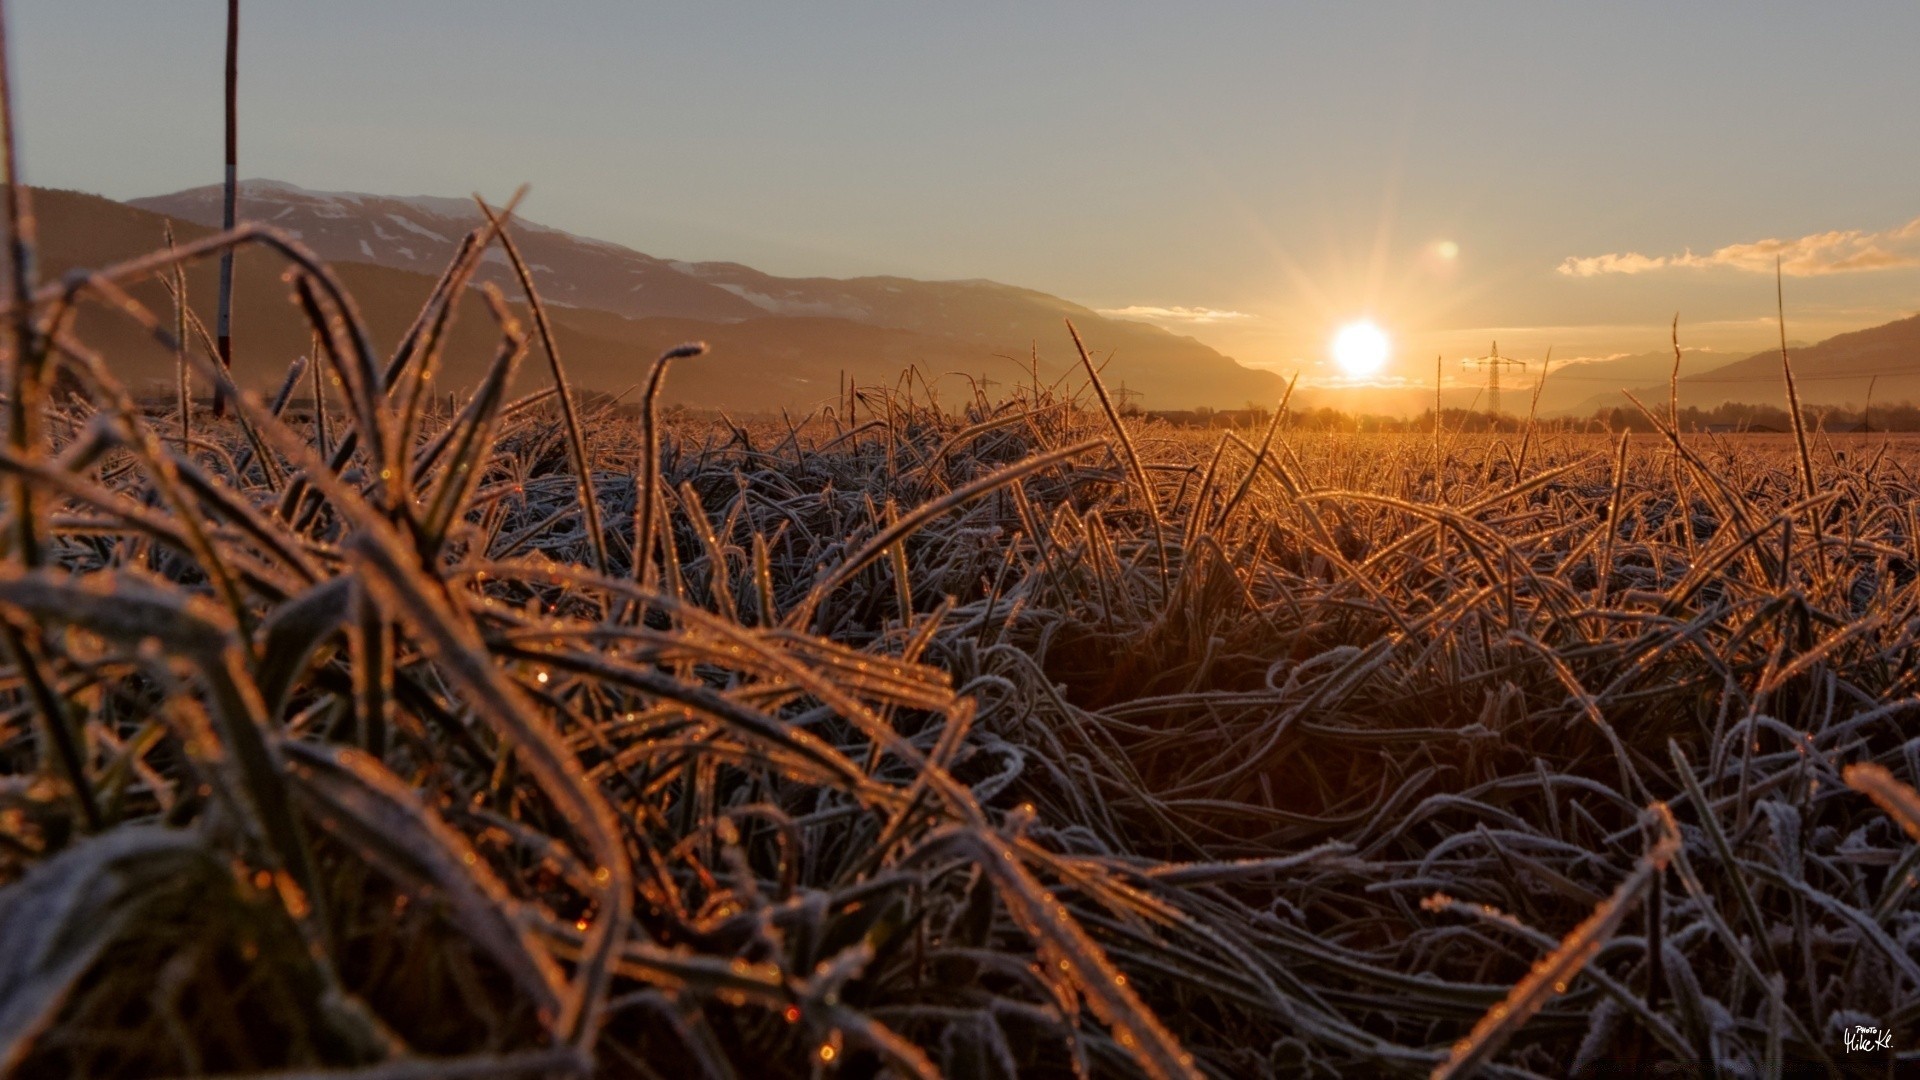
<point>973,737</point>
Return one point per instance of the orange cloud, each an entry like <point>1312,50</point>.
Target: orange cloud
<point>1839,251</point>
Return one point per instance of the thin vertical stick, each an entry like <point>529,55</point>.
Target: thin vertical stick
<point>19,206</point>
<point>223,328</point>
<point>23,390</point>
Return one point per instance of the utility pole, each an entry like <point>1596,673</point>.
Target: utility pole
<point>1493,362</point>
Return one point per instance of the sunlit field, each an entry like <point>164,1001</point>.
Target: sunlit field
<point>1004,736</point>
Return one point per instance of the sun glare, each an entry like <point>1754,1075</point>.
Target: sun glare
<point>1360,348</point>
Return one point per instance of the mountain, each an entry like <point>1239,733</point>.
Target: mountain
<point>761,364</point>
<point>785,342</point>
<point>420,234</point>
<point>1571,386</point>
<point>791,332</point>
<point>1883,361</point>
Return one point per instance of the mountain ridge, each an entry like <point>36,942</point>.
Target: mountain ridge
<point>975,323</point>
<point>785,337</point>
<point>759,365</point>
<point>1879,362</point>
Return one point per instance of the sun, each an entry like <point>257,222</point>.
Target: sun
<point>1360,348</point>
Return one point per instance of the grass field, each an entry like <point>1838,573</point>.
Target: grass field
<point>990,739</point>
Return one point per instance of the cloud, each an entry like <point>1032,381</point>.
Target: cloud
<point>1194,315</point>
<point>1629,263</point>
<point>1839,251</point>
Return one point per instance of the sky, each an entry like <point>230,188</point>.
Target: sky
<point>1257,175</point>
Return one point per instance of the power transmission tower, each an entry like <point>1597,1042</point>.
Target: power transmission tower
<point>1493,362</point>
<point>1125,395</point>
<point>982,399</point>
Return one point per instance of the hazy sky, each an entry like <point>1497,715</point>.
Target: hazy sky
<point>1599,166</point>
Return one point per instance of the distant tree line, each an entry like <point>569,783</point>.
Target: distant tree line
<point>1727,417</point>
<point>1737,416</point>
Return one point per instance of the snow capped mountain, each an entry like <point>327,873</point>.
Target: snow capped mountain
<point>972,325</point>
<point>420,233</point>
